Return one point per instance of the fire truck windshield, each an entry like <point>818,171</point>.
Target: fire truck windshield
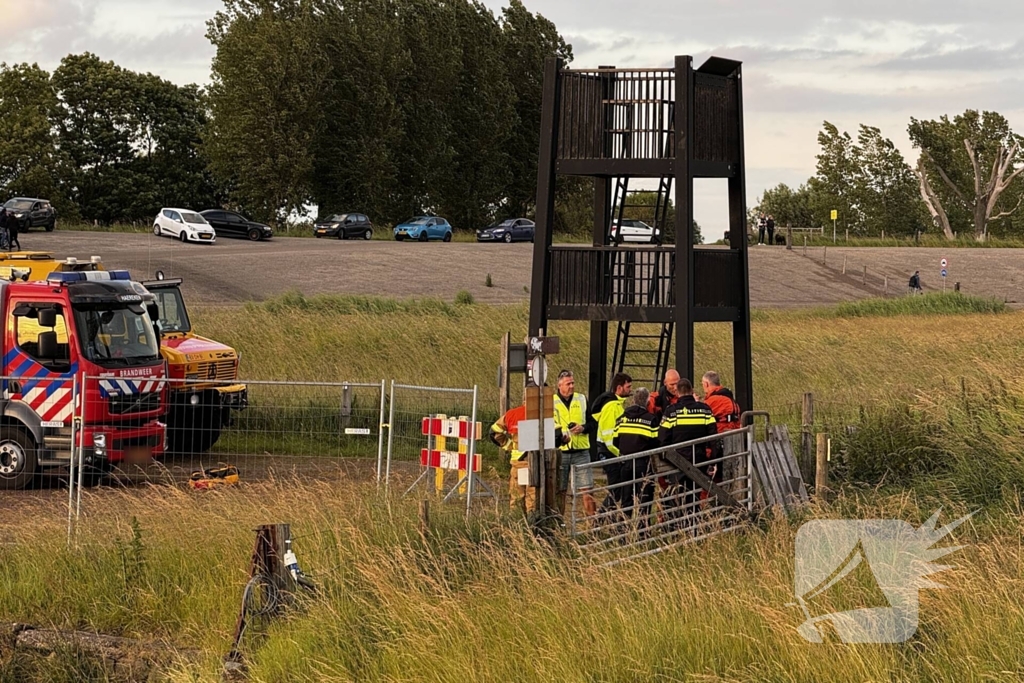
<point>116,336</point>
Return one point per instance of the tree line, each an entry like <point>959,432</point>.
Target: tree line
<point>386,107</point>
<point>967,181</point>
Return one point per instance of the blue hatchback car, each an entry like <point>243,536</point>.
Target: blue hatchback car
<point>424,228</point>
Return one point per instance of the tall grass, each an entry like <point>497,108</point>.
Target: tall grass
<point>486,601</point>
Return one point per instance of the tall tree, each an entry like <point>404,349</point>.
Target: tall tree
<point>835,181</point>
<point>481,119</point>
<point>885,189</point>
<point>529,39</point>
<point>266,97</point>
<point>967,165</point>
<point>31,164</point>
<point>355,164</point>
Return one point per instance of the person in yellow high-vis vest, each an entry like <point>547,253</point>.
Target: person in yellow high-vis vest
<point>607,409</point>
<point>573,421</point>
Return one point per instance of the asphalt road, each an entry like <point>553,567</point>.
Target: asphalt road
<point>234,271</point>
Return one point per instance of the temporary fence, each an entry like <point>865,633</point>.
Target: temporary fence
<point>649,505</point>
<point>260,427</point>
<point>407,440</point>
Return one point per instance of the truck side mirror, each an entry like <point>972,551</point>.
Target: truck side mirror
<point>47,317</point>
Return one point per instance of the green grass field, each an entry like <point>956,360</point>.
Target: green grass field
<point>935,390</point>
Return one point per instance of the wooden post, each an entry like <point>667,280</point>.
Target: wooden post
<point>424,517</point>
<point>807,438</point>
<point>886,286</point>
<point>821,468</point>
<point>865,275</point>
<point>346,405</point>
<point>883,234</point>
<point>503,375</point>
<point>844,264</point>
<point>805,245</point>
<point>789,237</point>
<point>824,256</point>
<point>847,235</point>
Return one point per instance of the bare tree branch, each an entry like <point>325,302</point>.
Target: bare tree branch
<point>956,190</point>
<point>972,155</point>
<point>931,199</point>
<point>1004,214</point>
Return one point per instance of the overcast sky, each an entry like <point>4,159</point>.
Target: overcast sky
<point>866,61</point>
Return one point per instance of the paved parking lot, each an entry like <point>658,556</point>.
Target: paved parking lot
<point>235,271</point>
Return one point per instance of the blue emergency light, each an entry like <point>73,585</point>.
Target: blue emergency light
<point>84,276</point>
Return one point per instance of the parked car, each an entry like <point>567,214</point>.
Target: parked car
<point>32,213</point>
<point>512,230</point>
<point>424,228</point>
<point>230,224</point>
<point>634,231</point>
<point>185,224</point>
<point>343,226</point>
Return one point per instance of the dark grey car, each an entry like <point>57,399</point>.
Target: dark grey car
<point>30,212</point>
<point>343,226</point>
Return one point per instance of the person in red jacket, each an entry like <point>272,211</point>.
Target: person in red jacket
<point>721,402</point>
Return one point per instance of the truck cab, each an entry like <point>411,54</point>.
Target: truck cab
<point>81,366</point>
<point>202,390</point>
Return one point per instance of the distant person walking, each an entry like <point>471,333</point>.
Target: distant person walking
<point>12,233</point>
<point>915,283</point>
<point>771,230</point>
<point>4,219</point>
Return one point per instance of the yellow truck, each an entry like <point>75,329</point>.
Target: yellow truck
<point>203,391</point>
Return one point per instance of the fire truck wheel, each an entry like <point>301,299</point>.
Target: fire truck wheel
<point>17,458</point>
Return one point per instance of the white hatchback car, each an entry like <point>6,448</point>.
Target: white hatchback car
<point>634,231</point>
<point>186,225</point>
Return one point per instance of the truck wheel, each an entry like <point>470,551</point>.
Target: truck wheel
<point>194,429</point>
<point>17,458</point>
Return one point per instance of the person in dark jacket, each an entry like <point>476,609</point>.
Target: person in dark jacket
<point>12,234</point>
<point>915,282</point>
<point>4,220</point>
<point>686,420</point>
<point>636,432</point>
<point>667,395</point>
<point>771,230</point>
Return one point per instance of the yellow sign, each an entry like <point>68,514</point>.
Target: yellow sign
<point>835,214</point>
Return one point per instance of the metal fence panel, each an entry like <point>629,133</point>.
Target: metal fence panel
<point>408,406</point>
<point>260,427</point>
<point>655,507</point>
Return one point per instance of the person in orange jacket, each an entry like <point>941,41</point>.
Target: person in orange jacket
<point>721,402</point>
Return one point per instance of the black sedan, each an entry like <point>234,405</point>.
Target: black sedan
<point>228,224</point>
<point>512,230</point>
<point>344,226</point>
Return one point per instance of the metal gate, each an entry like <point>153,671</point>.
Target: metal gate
<point>654,500</point>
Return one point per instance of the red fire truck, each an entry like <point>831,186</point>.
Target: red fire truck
<point>79,344</point>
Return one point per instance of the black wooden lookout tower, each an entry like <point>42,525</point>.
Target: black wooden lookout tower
<point>668,126</point>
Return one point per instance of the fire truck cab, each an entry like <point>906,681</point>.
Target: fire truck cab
<point>78,345</point>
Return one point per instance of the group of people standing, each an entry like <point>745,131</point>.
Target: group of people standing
<point>765,224</point>
<point>8,231</point>
<point>622,422</point>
